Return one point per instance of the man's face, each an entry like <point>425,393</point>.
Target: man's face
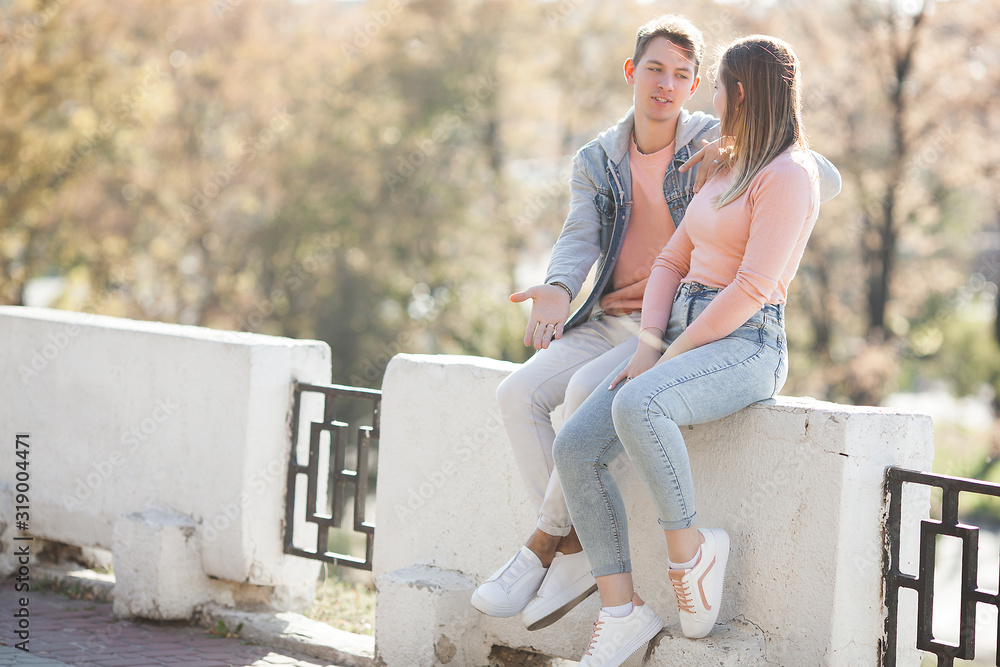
<point>664,80</point>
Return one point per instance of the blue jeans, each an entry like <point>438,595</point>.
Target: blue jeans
<point>642,418</point>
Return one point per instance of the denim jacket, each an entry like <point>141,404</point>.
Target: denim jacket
<point>601,201</point>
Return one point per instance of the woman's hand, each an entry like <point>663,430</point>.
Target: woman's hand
<point>549,312</point>
<point>651,354</point>
<point>645,357</point>
<point>712,160</point>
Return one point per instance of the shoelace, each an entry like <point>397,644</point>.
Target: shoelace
<point>595,637</point>
<point>683,595</point>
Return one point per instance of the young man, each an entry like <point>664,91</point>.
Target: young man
<point>630,188</point>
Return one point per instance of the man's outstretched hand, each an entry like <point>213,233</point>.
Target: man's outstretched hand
<point>549,312</point>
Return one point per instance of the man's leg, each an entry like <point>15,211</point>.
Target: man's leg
<point>527,398</point>
<point>568,581</point>
<point>553,518</point>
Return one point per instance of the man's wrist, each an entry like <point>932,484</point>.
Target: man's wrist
<point>556,283</point>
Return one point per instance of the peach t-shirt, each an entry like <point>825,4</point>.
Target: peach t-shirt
<point>649,228</point>
<point>751,247</point>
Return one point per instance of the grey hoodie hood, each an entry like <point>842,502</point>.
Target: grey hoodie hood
<point>615,141</point>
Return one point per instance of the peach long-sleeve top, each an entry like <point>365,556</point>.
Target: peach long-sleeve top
<point>750,248</point>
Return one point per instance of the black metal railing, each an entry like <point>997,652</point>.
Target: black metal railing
<point>923,581</point>
<point>324,507</point>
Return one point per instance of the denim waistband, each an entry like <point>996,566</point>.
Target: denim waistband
<point>774,311</point>
<point>697,288</point>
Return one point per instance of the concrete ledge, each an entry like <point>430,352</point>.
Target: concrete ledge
<point>733,644</point>
<point>295,632</point>
<point>796,482</point>
<point>124,416</point>
<point>75,581</point>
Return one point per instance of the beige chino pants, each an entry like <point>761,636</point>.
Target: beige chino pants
<point>565,373</point>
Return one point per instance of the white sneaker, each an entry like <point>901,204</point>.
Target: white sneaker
<point>699,589</point>
<point>511,587</point>
<point>615,639</point>
<point>567,584</point>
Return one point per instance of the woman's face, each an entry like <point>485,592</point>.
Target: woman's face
<point>719,101</point>
<point>721,98</point>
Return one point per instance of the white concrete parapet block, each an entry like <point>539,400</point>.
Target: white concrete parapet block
<point>157,563</point>
<point>431,621</point>
<point>126,416</point>
<point>797,483</point>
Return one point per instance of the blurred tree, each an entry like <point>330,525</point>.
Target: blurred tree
<point>307,170</point>
<point>382,174</point>
<point>911,195</point>
<point>63,103</point>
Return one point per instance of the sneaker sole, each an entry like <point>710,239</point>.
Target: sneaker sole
<point>553,616</point>
<point>649,631</point>
<point>483,605</point>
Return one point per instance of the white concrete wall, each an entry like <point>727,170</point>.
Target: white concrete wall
<point>797,483</point>
<point>130,417</point>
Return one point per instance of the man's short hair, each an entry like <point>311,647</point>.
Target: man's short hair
<point>677,30</point>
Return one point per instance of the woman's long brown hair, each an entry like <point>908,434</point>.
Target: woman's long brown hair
<point>769,118</point>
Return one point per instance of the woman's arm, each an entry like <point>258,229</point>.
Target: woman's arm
<point>669,269</point>
<point>783,211</point>
<point>649,354</point>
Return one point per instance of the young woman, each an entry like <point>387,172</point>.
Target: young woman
<point>711,343</point>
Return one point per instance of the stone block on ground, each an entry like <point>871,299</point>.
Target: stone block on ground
<point>157,562</point>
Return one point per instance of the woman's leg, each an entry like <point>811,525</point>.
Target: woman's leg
<point>705,384</point>
<point>615,589</point>
<point>702,385</point>
<point>584,447</point>
<point>553,517</point>
<point>527,398</point>
<point>583,450</point>
<point>568,581</point>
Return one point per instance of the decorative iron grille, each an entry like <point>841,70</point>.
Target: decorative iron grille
<point>923,581</point>
<point>325,488</point>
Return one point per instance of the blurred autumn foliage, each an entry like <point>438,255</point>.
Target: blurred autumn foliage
<point>381,175</point>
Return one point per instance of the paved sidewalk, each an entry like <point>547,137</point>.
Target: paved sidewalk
<point>84,632</point>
